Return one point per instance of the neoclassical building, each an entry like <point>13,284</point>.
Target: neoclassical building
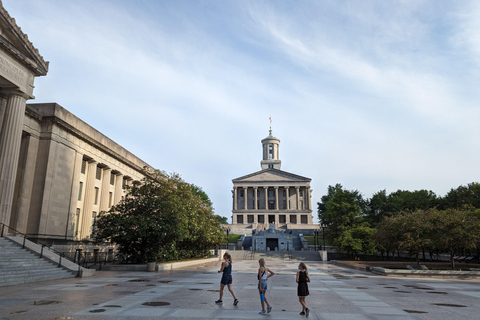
<point>56,172</point>
<point>272,196</point>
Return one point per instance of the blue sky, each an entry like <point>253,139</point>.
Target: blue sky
<point>370,94</point>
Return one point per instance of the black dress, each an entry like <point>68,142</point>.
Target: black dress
<point>302,290</point>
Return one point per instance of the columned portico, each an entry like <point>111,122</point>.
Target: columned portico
<point>10,139</point>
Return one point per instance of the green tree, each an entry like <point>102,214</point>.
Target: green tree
<point>161,218</point>
<point>342,211</point>
<point>462,196</point>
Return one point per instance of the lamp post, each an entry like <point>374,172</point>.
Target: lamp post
<point>323,233</point>
<point>227,229</point>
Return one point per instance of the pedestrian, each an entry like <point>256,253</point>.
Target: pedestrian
<point>226,268</point>
<point>302,290</point>
<point>263,274</point>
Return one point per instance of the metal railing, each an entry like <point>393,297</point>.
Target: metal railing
<point>82,259</point>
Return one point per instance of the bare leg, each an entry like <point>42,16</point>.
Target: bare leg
<point>221,291</point>
<point>229,286</point>
<point>302,302</point>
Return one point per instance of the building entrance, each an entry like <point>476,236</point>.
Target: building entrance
<point>272,244</point>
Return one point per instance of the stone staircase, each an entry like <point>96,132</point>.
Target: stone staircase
<point>275,255</point>
<point>18,266</point>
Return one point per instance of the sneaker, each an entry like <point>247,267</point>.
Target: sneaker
<point>302,313</point>
<point>307,312</point>
<point>269,308</point>
<point>219,301</point>
<point>235,302</point>
<point>262,312</point>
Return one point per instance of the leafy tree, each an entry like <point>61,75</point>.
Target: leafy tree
<point>221,219</point>
<point>463,195</point>
<point>342,211</point>
<point>161,218</point>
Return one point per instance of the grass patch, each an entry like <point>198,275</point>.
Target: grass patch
<point>232,238</point>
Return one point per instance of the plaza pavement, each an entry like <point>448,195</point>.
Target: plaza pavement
<point>190,293</point>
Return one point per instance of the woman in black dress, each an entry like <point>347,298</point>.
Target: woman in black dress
<point>302,290</point>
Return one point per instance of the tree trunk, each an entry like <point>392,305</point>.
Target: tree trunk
<point>452,260</point>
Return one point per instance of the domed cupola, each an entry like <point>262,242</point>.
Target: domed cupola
<point>271,157</point>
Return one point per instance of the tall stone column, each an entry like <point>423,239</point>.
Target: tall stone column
<point>118,188</point>
<point>10,139</point>
<point>308,203</point>
<point>266,198</point>
<point>297,190</point>
<point>88,200</point>
<point>288,197</point>
<point>276,198</point>
<point>30,145</point>
<point>255,190</point>
<point>105,192</point>
<point>235,199</point>
<point>245,197</point>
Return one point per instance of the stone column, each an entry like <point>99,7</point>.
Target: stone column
<point>266,198</point>
<point>235,199</point>
<point>88,200</point>
<point>77,171</point>
<point>245,197</point>
<point>105,192</point>
<point>287,193</point>
<point>117,197</point>
<point>10,139</point>
<point>307,198</point>
<point>297,190</point>
<point>276,198</point>
<point>255,190</point>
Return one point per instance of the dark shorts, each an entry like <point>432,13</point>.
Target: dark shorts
<point>226,279</point>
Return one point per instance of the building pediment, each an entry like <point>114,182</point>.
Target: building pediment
<point>16,43</point>
<point>271,175</point>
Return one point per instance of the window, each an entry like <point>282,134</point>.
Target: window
<point>242,193</point>
<point>98,174</point>
<point>250,218</point>
<point>258,204</point>
<point>240,218</point>
<point>270,151</point>
<point>261,219</point>
<point>112,179</point>
<point>282,218</point>
<point>293,219</point>
<point>304,219</point>
<point>110,199</point>
<point>301,193</point>
<point>284,204</point>
<point>271,193</point>
<point>84,166</point>
<point>270,166</point>
<point>80,187</point>
<point>284,193</point>
<point>96,195</point>
<point>271,204</point>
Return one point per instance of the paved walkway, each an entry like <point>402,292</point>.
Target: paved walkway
<point>335,293</point>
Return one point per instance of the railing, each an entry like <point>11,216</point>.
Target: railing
<point>86,259</point>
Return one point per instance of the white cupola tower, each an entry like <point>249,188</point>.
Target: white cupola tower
<point>271,158</point>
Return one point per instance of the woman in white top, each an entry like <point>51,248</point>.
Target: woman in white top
<point>263,274</point>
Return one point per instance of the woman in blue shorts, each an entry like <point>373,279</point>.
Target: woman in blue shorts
<point>226,268</point>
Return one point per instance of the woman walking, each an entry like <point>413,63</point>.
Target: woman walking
<point>226,268</point>
<point>263,274</point>
<point>302,290</point>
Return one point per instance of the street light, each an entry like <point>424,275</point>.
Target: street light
<point>323,232</point>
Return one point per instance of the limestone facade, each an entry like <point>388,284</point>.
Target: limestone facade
<point>272,196</point>
<point>68,173</point>
<point>20,63</point>
<point>56,172</point>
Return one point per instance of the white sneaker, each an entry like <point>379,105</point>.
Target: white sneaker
<point>262,312</point>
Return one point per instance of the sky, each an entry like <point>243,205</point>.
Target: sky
<point>373,95</point>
